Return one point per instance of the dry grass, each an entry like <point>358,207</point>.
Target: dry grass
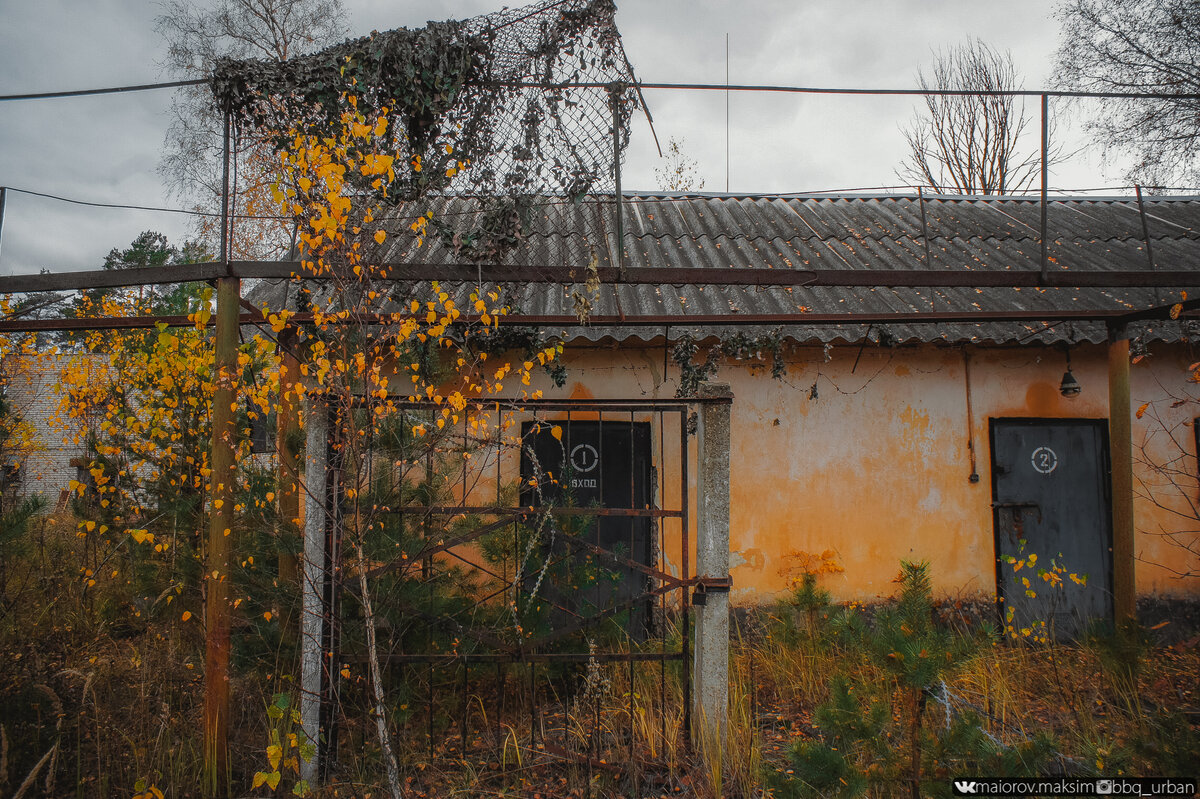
<point>121,698</point>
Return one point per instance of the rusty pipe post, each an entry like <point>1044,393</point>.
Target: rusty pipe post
<point>1120,436</point>
<point>223,475</point>
<point>220,539</point>
<point>3,197</point>
<point>615,99</point>
<point>1045,172</point>
<point>1146,237</point>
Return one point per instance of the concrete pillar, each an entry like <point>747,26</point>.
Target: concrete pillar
<point>711,695</point>
<point>312,581</point>
<point>1120,448</point>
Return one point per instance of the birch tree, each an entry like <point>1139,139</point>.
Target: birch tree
<point>198,35</point>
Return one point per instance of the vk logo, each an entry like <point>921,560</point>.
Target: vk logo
<point>964,787</point>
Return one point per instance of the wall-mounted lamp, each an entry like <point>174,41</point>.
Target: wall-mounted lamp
<point>1069,387</point>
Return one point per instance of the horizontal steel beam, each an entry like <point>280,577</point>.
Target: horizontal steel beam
<point>1107,316</point>
<point>532,510</point>
<point>518,657</point>
<point>557,273</point>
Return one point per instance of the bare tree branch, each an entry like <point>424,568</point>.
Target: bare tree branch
<point>1140,46</point>
<point>970,144</point>
<point>197,36</point>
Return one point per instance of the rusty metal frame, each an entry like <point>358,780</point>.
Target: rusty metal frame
<point>527,652</point>
<point>407,271</point>
<point>1111,317</point>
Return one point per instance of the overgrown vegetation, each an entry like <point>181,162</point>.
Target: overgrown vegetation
<point>826,700</point>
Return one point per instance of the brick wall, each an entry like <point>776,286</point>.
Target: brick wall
<point>46,468</point>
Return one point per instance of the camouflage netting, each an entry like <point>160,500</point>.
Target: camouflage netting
<point>499,92</point>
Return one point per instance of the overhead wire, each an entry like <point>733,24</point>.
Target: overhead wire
<point>658,196</point>
<point>643,85</point>
<point>141,87</point>
<point>632,197</point>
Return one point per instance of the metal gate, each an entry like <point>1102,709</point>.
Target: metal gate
<point>1051,495</point>
<point>519,570</point>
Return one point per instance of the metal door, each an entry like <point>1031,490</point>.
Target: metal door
<point>1050,499</point>
<point>603,464</point>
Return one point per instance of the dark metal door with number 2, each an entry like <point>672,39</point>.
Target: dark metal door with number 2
<point>1050,489</point>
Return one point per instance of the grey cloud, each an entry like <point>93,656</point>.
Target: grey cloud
<point>106,149</point>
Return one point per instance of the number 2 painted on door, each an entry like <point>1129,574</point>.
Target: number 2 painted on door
<point>1044,460</point>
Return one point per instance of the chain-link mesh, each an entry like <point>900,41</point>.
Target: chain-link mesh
<point>504,117</point>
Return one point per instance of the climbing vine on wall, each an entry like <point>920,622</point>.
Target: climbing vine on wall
<point>486,108</point>
<point>739,347</point>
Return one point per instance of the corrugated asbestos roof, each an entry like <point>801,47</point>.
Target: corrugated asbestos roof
<point>842,232</point>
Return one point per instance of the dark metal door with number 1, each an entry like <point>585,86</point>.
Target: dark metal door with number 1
<point>1050,490</point>
<point>605,464</point>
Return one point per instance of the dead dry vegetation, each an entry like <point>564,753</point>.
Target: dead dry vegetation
<point>102,699</point>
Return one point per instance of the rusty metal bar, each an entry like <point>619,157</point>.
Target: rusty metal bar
<point>684,612</point>
<point>3,198</point>
<point>644,405</point>
<point>924,228</point>
<point>1145,228</point>
<point>1120,432</point>
<point>661,562</point>
<point>519,657</point>
<point>633,614</point>
<point>799,319</point>
<point>501,697</point>
<point>618,200</point>
<point>966,276</point>
<point>1146,236</point>
<point>1157,312</point>
<point>608,554</point>
<point>530,510</point>
<point>406,560</point>
<point>1045,260</point>
<point>464,709</point>
<point>217,570</point>
<point>607,613</point>
<point>533,705</point>
<point>465,538</point>
<point>429,711</point>
<point>491,573</point>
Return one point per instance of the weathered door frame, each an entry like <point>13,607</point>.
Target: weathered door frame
<point>1106,500</point>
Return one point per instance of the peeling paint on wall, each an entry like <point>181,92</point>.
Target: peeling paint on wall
<point>876,468</point>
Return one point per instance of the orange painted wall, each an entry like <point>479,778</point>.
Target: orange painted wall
<point>876,466</point>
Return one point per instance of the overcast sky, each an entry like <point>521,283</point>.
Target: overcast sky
<point>105,149</point>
